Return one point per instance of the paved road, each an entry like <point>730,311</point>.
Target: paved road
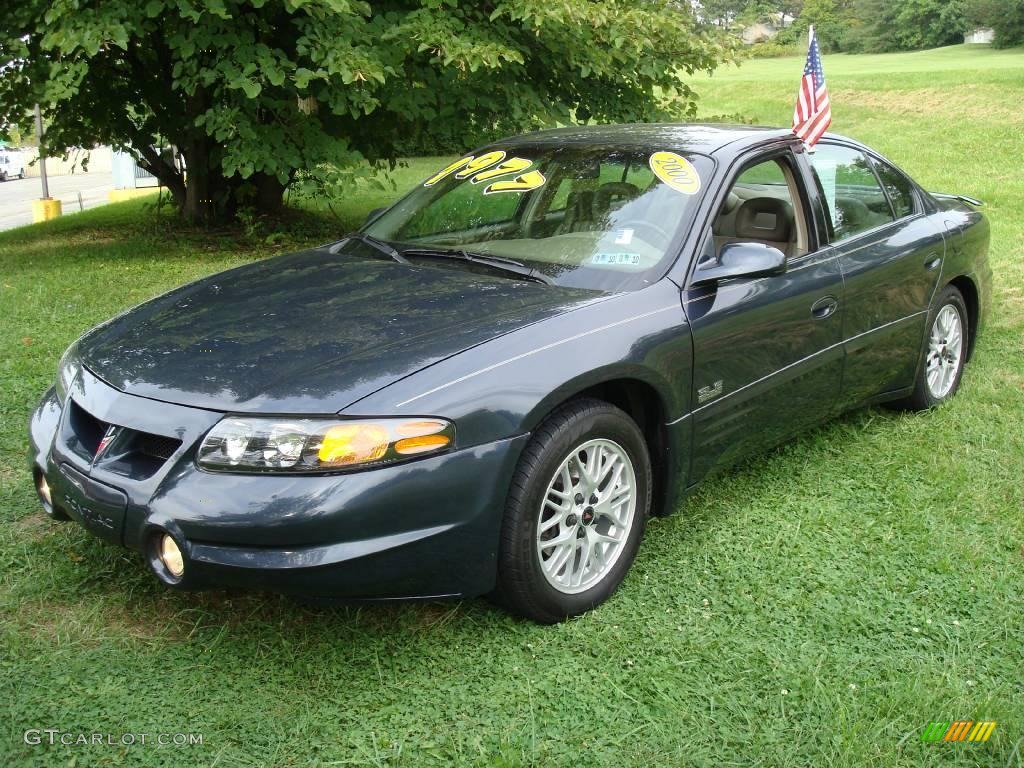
<point>16,196</point>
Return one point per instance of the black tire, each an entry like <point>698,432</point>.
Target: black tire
<point>922,398</point>
<point>522,587</point>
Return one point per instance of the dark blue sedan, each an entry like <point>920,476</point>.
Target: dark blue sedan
<point>491,386</point>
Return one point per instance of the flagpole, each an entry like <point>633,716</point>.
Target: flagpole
<point>808,148</point>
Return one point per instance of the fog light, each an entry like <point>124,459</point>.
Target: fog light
<point>171,557</point>
<point>44,489</point>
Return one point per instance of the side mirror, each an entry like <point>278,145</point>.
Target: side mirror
<point>742,260</point>
<point>374,214</point>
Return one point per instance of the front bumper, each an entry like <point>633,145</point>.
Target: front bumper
<point>426,528</point>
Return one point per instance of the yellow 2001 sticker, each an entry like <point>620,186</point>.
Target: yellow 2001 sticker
<point>490,166</point>
<point>676,171</point>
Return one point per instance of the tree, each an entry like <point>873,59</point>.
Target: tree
<point>254,94</point>
<point>883,25</point>
<point>1005,17</point>
<point>833,22</point>
<point>907,25</point>
<point>725,13</point>
<point>722,13</point>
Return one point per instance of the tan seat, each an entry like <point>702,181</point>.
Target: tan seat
<point>579,213</point>
<point>765,220</point>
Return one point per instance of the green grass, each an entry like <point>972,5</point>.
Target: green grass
<point>816,607</point>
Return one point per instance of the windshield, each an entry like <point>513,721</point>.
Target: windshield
<point>590,217</point>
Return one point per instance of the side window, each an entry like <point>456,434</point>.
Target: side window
<point>561,196</point>
<point>901,193</point>
<point>639,175</point>
<point>853,196</point>
<point>762,206</point>
<point>763,173</point>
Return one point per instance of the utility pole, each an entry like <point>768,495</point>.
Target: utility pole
<point>42,157</point>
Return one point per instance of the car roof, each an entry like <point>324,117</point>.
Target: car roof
<point>704,138</point>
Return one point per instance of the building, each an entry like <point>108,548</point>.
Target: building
<point>982,35</point>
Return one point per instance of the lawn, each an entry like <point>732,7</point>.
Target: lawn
<point>816,606</point>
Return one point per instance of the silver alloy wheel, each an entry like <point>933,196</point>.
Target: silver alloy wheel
<point>945,348</point>
<point>586,516</point>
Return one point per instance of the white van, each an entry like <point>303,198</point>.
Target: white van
<point>12,166</point>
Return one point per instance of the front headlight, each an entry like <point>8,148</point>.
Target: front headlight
<point>243,444</point>
<point>67,370</point>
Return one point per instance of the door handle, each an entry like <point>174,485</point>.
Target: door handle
<point>933,262</point>
<point>824,307</point>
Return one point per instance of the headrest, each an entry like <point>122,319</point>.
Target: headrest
<point>764,218</point>
<point>721,222</point>
<point>851,214</point>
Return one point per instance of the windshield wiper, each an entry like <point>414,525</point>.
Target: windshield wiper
<point>379,245</point>
<point>497,263</point>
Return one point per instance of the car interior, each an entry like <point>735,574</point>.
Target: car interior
<point>855,198</point>
<point>760,208</point>
<point>612,214</point>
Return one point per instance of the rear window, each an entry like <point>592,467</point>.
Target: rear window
<point>899,189</point>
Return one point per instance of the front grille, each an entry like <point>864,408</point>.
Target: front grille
<point>156,446</point>
<point>85,431</point>
<point>131,452</point>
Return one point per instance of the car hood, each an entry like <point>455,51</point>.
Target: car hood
<point>310,332</point>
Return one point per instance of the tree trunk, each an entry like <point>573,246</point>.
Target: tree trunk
<point>165,172</point>
<point>209,195</point>
<point>269,193</point>
<point>198,208</point>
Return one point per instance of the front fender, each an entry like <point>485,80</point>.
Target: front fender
<point>505,387</point>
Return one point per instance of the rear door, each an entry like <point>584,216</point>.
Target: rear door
<point>891,257</point>
<point>767,351</point>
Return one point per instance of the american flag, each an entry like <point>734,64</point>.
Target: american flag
<point>813,114</point>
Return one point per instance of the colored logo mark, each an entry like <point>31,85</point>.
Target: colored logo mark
<point>959,730</point>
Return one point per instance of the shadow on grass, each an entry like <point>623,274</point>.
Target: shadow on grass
<point>129,602</point>
<point>133,230</point>
<point>115,588</point>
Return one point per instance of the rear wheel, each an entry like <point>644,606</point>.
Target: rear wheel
<point>576,512</point>
<point>945,352</point>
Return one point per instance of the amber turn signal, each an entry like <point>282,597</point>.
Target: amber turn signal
<point>413,445</point>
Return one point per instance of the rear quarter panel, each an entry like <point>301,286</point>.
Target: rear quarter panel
<point>967,253</point>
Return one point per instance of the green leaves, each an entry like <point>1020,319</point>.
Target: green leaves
<point>251,87</point>
<point>302,78</point>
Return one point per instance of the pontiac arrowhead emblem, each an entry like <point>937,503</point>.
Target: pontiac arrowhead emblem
<point>108,438</point>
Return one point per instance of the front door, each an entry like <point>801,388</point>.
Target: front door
<point>768,353</point>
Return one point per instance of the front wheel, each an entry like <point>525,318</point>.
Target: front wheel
<point>945,352</point>
<point>576,512</point>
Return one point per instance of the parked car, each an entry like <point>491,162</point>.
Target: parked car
<point>12,165</point>
<point>491,386</point>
